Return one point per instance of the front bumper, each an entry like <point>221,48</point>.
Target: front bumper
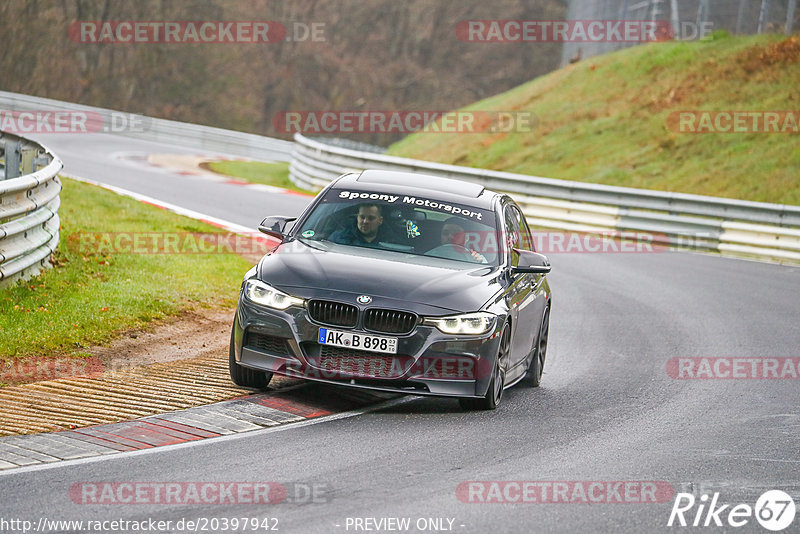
<point>428,362</point>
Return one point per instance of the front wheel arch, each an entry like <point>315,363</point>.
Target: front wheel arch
<point>243,376</point>
<point>494,392</point>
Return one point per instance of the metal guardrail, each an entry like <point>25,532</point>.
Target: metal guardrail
<point>29,201</point>
<point>349,144</point>
<point>726,225</point>
<point>182,134</point>
<point>689,221</point>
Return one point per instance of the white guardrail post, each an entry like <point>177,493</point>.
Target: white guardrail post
<point>728,226</point>
<point>29,200</point>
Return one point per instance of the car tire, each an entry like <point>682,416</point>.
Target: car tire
<point>533,377</point>
<point>244,377</point>
<point>494,393</point>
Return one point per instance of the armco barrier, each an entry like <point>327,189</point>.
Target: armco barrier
<point>729,226</point>
<point>29,202</point>
<point>182,134</point>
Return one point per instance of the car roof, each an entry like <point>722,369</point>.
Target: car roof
<point>410,183</point>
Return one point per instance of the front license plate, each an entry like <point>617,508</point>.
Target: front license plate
<point>352,340</point>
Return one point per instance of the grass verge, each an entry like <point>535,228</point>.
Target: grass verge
<point>605,120</point>
<point>91,296</point>
<point>257,172</point>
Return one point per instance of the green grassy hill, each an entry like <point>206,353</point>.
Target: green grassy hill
<point>605,120</point>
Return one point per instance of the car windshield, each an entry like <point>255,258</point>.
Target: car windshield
<point>413,224</point>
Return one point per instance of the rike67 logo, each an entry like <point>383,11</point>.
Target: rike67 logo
<point>774,511</point>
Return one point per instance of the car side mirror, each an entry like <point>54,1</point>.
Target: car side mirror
<point>531,262</point>
<point>275,226</point>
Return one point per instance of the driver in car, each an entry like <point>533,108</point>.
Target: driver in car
<point>369,230</point>
<point>453,234</point>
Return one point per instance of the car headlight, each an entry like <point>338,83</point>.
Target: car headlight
<point>469,323</point>
<point>261,293</point>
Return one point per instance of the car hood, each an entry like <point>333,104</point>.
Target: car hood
<point>420,283</point>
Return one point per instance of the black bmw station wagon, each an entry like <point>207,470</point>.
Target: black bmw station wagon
<point>398,282</point>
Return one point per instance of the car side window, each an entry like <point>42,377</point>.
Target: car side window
<point>526,242</point>
<point>512,235</point>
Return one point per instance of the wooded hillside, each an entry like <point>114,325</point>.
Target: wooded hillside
<point>377,55</point>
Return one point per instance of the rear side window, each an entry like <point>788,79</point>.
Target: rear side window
<point>526,241</point>
<point>511,234</point>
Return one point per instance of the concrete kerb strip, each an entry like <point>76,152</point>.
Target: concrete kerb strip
<point>223,420</point>
<point>192,165</point>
